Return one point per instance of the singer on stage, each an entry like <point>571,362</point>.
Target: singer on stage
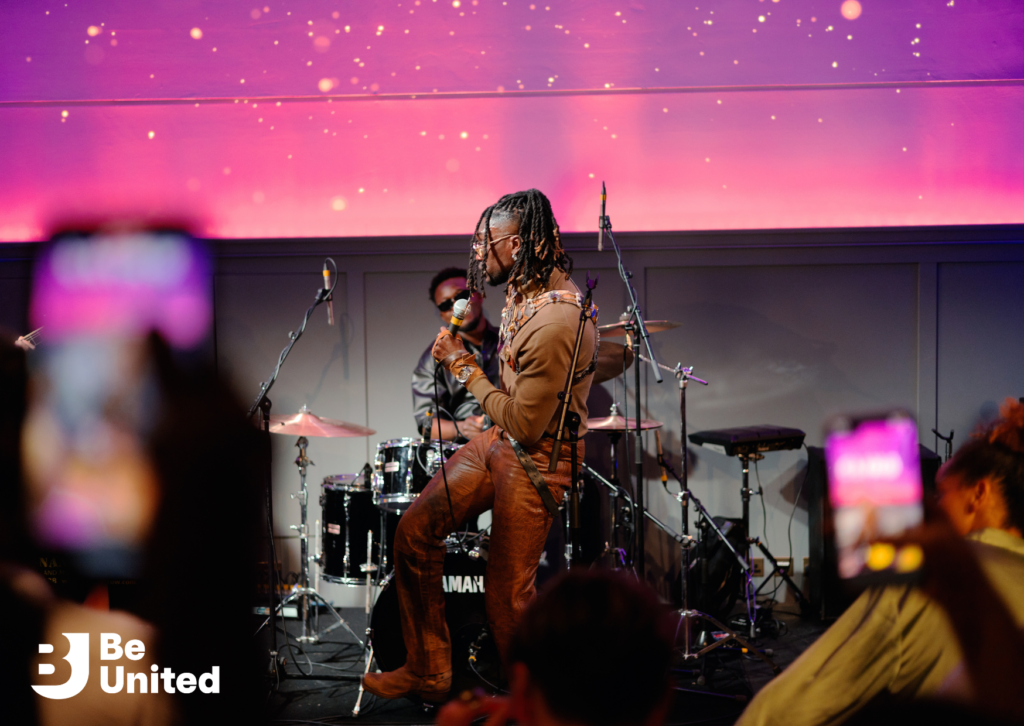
<point>516,243</point>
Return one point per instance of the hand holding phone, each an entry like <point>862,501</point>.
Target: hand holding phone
<point>875,491</point>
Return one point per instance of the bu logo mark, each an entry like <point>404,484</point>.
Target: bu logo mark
<point>78,657</point>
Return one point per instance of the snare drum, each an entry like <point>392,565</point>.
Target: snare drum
<point>351,526</point>
<point>403,467</point>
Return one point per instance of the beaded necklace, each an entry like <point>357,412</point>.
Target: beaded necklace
<point>516,315</point>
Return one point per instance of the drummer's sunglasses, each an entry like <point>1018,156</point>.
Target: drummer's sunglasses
<point>447,305</point>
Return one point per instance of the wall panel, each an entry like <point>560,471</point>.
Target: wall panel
<point>980,342</point>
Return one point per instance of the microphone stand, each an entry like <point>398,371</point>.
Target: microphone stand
<point>636,327</point>
<point>570,420</point>
<point>262,404</point>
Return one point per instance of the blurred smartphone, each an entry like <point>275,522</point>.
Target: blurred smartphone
<point>97,296</point>
<point>875,492</point>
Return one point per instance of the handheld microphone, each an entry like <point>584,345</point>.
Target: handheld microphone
<point>600,220</point>
<point>330,302</point>
<point>661,458</point>
<point>458,315</point>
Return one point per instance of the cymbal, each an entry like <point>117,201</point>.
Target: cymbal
<point>618,423</point>
<point>617,330</point>
<point>307,423</point>
<point>612,359</point>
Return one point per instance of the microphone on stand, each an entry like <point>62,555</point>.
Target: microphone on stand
<point>458,315</point>
<point>600,220</point>
<point>327,289</point>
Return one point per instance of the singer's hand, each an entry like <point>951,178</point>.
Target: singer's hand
<point>446,344</point>
<point>23,343</point>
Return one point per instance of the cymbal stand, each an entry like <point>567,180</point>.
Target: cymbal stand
<point>302,590</point>
<point>636,327</point>
<point>262,404</point>
<point>688,616</point>
<point>626,521</point>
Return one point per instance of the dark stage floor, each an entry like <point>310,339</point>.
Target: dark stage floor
<point>329,693</point>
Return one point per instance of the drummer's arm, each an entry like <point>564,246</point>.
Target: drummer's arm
<point>447,429</point>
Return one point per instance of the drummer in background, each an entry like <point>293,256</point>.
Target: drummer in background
<point>461,417</point>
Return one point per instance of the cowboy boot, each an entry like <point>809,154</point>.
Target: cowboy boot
<point>403,682</point>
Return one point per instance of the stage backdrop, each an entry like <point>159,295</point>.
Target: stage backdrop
<point>319,118</point>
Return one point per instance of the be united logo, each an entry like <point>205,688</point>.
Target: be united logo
<point>154,681</point>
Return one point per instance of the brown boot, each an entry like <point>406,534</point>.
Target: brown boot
<point>403,682</point>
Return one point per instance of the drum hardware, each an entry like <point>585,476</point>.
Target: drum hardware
<point>369,568</point>
<point>262,404</point>
<point>369,662</point>
<point>636,327</point>
<point>688,616</point>
<point>614,425</point>
<point>302,590</point>
<point>318,548</point>
<point>617,330</point>
<point>624,493</point>
<point>403,467</point>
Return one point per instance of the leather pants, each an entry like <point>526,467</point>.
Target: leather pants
<point>483,474</point>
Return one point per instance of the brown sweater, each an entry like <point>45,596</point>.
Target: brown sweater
<point>527,404</point>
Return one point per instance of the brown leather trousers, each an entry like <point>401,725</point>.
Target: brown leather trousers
<point>483,474</point>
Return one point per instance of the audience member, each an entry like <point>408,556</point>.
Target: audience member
<point>904,643</point>
<point>205,457</point>
<point>35,616</point>
<point>594,649</point>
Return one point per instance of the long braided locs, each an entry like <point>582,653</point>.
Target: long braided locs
<point>541,251</point>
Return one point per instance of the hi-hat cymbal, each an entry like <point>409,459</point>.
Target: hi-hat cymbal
<point>307,423</point>
<point>617,330</point>
<point>618,423</point>
<point>612,360</point>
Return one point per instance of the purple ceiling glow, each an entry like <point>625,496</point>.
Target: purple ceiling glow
<point>317,118</point>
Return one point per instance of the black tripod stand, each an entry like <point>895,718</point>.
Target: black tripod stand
<point>262,404</point>
<point>750,594</point>
<point>688,616</point>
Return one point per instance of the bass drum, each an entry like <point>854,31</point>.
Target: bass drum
<point>463,583</point>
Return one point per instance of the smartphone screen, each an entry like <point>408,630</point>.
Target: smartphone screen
<point>875,491</point>
<point>92,490</point>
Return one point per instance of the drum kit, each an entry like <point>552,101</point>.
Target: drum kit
<point>354,542</point>
<point>360,511</point>
<point>354,548</point>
